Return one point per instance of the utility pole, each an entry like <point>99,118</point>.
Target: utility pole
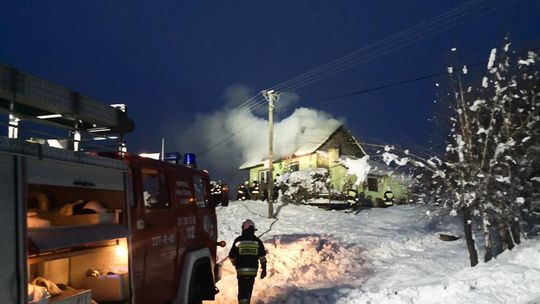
<point>162,149</point>
<point>271,96</point>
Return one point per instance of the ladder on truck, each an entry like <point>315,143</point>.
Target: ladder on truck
<point>29,100</point>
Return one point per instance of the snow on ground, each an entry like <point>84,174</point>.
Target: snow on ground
<point>390,255</point>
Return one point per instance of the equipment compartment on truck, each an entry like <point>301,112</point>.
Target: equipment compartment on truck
<point>74,215</point>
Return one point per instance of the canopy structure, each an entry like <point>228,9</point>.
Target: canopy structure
<point>27,97</point>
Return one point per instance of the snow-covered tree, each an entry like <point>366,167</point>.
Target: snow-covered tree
<point>489,149</point>
<point>490,172</point>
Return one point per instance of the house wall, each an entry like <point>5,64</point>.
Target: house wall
<point>254,174</point>
<point>306,161</point>
<point>340,181</point>
<point>339,178</point>
<point>399,188</point>
<point>282,166</point>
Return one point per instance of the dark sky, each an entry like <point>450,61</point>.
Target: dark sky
<point>169,60</point>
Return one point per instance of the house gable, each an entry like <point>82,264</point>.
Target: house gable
<point>344,142</point>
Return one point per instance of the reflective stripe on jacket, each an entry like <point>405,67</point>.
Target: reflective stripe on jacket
<point>246,252</point>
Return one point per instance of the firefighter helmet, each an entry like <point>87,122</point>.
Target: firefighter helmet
<point>248,223</point>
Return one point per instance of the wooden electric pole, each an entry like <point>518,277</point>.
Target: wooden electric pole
<point>271,96</point>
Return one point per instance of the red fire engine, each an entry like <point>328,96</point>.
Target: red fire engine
<point>111,227</point>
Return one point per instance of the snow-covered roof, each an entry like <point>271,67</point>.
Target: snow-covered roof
<point>362,167</point>
<point>316,139</point>
<point>251,164</point>
<point>311,140</point>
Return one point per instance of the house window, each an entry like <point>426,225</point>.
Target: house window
<point>372,184</point>
<point>294,167</point>
<point>263,177</point>
<point>155,190</point>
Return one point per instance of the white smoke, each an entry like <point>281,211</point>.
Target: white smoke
<point>237,94</point>
<point>228,138</point>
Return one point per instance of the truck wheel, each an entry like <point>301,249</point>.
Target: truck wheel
<point>194,293</point>
<point>201,285</point>
<point>195,289</point>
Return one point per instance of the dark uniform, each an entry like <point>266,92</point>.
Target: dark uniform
<point>388,198</point>
<point>275,191</point>
<point>352,197</point>
<point>246,253</point>
<point>255,191</point>
<point>242,193</point>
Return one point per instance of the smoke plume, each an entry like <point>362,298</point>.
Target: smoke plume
<point>228,138</point>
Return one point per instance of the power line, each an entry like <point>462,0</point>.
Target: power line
<point>386,86</point>
<point>416,33</point>
<point>396,41</point>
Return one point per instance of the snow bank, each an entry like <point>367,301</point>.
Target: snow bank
<point>390,255</point>
<point>512,278</point>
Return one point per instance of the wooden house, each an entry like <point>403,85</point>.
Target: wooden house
<point>326,149</point>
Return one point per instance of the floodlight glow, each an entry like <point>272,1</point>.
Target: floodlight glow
<point>95,130</point>
<point>150,155</point>
<point>49,116</point>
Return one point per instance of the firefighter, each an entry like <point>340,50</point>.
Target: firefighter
<point>352,198</point>
<point>242,192</point>
<point>275,191</point>
<point>215,187</point>
<point>388,198</point>
<point>255,190</point>
<point>246,254</point>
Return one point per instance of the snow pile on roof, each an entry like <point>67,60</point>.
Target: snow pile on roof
<point>390,255</point>
<point>358,167</point>
<point>361,167</point>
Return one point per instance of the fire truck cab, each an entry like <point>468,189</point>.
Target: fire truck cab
<point>110,228</point>
<point>174,233</point>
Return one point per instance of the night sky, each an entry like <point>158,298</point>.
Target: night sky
<point>169,60</point>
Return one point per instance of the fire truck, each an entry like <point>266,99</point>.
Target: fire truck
<point>83,226</point>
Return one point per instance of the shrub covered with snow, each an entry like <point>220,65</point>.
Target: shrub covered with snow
<point>300,186</point>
